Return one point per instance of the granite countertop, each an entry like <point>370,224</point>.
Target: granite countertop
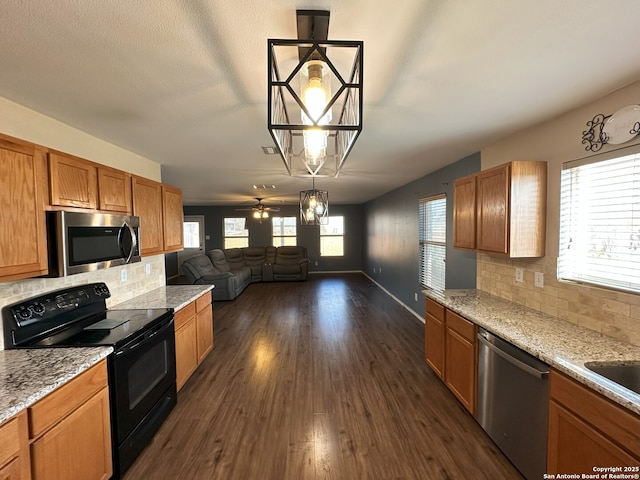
<point>27,375</point>
<point>559,343</point>
<point>171,296</point>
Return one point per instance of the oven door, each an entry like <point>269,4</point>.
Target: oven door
<point>143,371</point>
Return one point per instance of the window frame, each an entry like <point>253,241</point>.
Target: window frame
<point>597,217</point>
<point>282,227</point>
<point>432,240</point>
<point>226,237</point>
<point>333,235</point>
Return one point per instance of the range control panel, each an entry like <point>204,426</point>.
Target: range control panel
<point>58,302</point>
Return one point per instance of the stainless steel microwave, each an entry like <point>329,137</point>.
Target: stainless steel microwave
<point>81,242</point>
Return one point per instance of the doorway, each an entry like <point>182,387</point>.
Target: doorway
<point>193,238</point>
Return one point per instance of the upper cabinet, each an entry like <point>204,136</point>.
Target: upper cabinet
<point>147,204</point>
<point>23,195</point>
<point>114,190</point>
<point>172,218</point>
<point>76,182</point>
<point>73,181</point>
<point>506,208</point>
<point>464,212</point>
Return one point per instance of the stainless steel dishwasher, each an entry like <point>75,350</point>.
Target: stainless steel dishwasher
<point>513,402</point>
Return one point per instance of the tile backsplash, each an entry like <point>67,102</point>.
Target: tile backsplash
<point>611,313</point>
<point>137,283</point>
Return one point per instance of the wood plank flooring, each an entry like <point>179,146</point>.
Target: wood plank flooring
<point>323,379</point>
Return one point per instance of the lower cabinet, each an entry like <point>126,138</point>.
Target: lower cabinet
<point>434,337</point>
<point>461,359</point>
<point>451,351</point>
<point>14,448</point>
<point>70,430</point>
<point>194,336</point>
<point>586,430</point>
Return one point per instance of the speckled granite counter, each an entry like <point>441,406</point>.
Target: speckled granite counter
<point>557,342</point>
<point>28,375</point>
<point>171,296</point>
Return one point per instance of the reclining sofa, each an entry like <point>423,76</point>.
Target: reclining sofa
<point>233,269</point>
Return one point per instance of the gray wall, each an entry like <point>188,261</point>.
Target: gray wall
<point>308,235</point>
<point>392,236</point>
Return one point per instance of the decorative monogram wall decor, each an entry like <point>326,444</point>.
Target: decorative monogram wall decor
<point>614,129</point>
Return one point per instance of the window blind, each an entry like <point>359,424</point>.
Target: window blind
<point>433,236</point>
<point>600,223</point>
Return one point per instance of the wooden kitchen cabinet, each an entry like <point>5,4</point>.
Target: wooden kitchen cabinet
<point>204,326</point>
<point>23,195</point>
<point>460,373</point>
<point>186,343</point>
<point>147,204</point>
<point>464,212</point>
<point>173,221</point>
<point>194,336</point>
<point>434,337</point>
<point>14,448</point>
<point>70,430</point>
<point>73,181</point>
<point>159,207</point>
<point>451,351</point>
<point>587,430</point>
<point>510,210</point>
<point>114,190</point>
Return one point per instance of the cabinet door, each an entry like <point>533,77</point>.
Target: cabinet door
<point>576,447</point>
<point>204,320</point>
<point>434,344</point>
<point>78,447</point>
<point>23,188</point>
<point>73,181</point>
<point>460,371</point>
<point>14,449</point>
<point>114,190</point>
<point>464,212</point>
<point>147,204</point>
<point>493,209</point>
<point>172,218</point>
<point>186,352</point>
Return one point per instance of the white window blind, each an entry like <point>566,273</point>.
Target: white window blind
<point>433,237</point>
<point>600,223</point>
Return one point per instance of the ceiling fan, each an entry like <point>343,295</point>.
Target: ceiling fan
<point>259,210</point>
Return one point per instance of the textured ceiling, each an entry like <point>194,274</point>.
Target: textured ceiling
<point>183,83</point>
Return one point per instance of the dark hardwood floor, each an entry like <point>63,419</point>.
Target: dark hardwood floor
<point>323,379</point>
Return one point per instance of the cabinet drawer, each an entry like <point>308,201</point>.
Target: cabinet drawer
<point>203,301</point>
<point>435,309</point>
<point>64,400</point>
<point>619,424</point>
<point>183,315</point>
<point>463,327</point>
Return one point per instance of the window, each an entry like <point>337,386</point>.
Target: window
<point>432,230</point>
<point>600,222</point>
<point>283,231</point>
<point>193,231</point>
<point>332,237</point>
<point>236,234</point>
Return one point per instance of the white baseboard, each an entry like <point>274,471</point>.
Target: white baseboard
<point>406,307</point>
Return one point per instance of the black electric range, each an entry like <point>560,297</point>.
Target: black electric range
<point>141,369</point>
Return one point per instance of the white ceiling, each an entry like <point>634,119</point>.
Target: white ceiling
<point>183,82</point>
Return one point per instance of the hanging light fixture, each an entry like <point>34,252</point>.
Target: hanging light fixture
<point>314,206</point>
<point>324,85</point>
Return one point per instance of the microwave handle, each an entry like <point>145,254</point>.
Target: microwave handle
<point>134,241</point>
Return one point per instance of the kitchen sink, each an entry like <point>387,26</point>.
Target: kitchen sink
<point>626,374</point>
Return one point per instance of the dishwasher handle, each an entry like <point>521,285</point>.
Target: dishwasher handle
<point>512,360</point>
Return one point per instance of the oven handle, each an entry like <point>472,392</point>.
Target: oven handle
<point>147,336</point>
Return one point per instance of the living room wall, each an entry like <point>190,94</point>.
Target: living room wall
<point>308,235</point>
<point>391,236</point>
